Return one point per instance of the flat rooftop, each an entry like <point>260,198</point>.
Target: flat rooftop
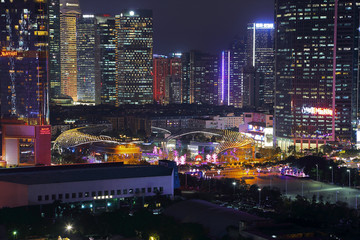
<point>80,172</point>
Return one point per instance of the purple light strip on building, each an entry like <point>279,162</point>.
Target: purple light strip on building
<point>222,75</point>
<point>334,70</point>
<point>228,74</point>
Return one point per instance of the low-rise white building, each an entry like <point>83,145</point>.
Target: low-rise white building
<point>81,183</point>
<point>217,122</point>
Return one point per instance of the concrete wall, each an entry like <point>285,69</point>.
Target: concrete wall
<point>13,195</point>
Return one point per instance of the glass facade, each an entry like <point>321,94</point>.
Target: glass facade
<point>69,14</point>
<point>23,60</point>
<point>260,55</point>
<point>200,78</point>
<point>316,91</point>
<point>88,60</point>
<point>161,71</point>
<point>107,34</point>
<point>54,48</point>
<point>134,57</point>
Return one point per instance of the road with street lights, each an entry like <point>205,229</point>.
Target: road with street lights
<point>291,186</point>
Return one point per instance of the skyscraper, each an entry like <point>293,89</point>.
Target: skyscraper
<point>316,71</point>
<point>260,55</point>
<point>107,34</point>
<point>200,78</point>
<point>173,86</point>
<point>230,85</point>
<point>160,72</point>
<point>237,63</point>
<point>225,78</point>
<point>23,60</point>
<point>54,48</point>
<point>88,58</point>
<point>69,14</point>
<point>24,84</point>
<point>134,57</point>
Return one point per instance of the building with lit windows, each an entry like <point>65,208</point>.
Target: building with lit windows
<point>230,84</point>
<point>167,79</point>
<point>134,57</point>
<point>23,61</point>
<point>107,35</point>
<point>54,49</point>
<point>260,64</point>
<point>160,72</point>
<point>88,58</point>
<point>24,38</point>
<point>200,78</point>
<point>69,14</point>
<point>173,86</point>
<point>316,71</point>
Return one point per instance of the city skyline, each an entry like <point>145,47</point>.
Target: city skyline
<point>207,31</point>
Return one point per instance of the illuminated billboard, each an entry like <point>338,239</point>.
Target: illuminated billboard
<point>264,25</point>
<point>317,111</point>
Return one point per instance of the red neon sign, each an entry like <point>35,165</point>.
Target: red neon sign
<point>45,131</point>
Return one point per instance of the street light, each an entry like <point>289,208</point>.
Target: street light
<point>14,234</point>
<point>349,178</point>
<point>234,184</point>
<point>69,227</point>
<point>259,189</point>
<point>332,174</point>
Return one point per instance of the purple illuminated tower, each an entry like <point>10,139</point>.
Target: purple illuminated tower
<point>225,82</point>
<point>231,64</point>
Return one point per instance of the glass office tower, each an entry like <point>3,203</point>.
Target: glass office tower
<point>316,71</point>
<point>24,61</point>
<point>134,57</point>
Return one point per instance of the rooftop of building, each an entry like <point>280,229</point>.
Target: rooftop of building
<point>80,172</point>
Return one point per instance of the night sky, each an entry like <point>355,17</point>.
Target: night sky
<point>182,25</point>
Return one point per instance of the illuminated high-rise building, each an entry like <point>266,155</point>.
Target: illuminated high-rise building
<point>260,56</point>
<point>316,71</point>
<point>69,14</point>
<point>88,61</point>
<point>160,72</point>
<point>24,39</point>
<point>173,86</point>
<point>200,78</point>
<point>134,57</point>
<point>231,74</point>
<point>107,35</point>
<point>54,48</point>
<point>23,60</point>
